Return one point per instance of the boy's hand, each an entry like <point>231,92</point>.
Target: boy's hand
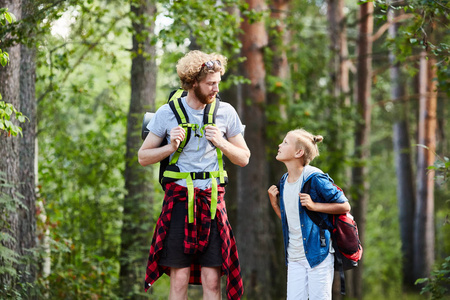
<point>273,193</point>
<point>306,201</point>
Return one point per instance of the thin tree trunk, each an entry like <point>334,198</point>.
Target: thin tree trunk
<point>278,97</point>
<point>253,230</point>
<point>137,203</point>
<point>9,150</point>
<point>339,62</point>
<point>402,151</point>
<point>360,183</point>
<point>232,96</point>
<point>424,216</point>
<point>276,106</point>
<point>339,74</point>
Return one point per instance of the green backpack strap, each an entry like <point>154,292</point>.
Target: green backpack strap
<point>183,120</point>
<point>209,118</point>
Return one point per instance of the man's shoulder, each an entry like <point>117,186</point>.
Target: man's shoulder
<point>164,108</point>
<point>225,104</point>
<point>226,108</point>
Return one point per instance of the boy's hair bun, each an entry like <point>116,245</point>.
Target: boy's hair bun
<point>317,139</point>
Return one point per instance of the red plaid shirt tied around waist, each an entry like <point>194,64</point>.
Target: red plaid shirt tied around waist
<point>196,238</point>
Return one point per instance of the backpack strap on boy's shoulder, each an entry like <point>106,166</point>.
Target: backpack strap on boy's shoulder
<point>320,222</point>
<point>314,216</point>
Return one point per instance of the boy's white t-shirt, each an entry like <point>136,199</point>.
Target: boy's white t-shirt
<point>295,248</point>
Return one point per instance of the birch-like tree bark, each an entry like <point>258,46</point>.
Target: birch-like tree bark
<point>424,216</point>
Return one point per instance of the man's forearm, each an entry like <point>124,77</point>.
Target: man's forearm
<point>152,156</point>
<point>236,155</point>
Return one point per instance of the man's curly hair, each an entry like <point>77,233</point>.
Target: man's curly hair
<point>190,70</point>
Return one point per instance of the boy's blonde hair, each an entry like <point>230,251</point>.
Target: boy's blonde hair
<point>192,68</point>
<point>308,143</point>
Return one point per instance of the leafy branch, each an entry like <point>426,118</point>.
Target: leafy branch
<point>7,109</point>
<point>441,164</point>
<point>437,283</point>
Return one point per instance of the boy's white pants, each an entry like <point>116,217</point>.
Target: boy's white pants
<point>315,283</point>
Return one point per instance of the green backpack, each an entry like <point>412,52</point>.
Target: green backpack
<point>169,171</point>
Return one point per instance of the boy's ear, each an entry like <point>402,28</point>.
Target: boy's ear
<point>299,153</point>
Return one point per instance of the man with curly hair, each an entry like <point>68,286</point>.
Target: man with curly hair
<point>193,241</point>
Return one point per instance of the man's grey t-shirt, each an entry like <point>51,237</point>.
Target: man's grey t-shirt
<point>199,155</point>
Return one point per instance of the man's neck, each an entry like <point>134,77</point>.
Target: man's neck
<point>193,102</point>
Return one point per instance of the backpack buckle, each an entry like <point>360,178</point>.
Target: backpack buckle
<point>200,175</point>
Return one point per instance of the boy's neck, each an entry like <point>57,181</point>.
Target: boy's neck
<point>295,170</point>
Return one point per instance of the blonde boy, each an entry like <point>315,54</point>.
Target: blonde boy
<point>308,251</point>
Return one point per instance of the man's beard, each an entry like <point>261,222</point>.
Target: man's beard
<point>203,98</point>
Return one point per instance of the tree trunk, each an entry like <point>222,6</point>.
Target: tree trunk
<point>137,206</point>
<point>424,215</point>
<point>339,50</point>
<point>9,150</point>
<point>402,152</point>
<point>277,98</point>
<point>360,183</point>
<point>339,74</point>
<point>27,171</point>
<point>253,230</point>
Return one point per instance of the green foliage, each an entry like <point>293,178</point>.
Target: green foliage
<point>427,30</point>
<point>199,20</point>
<point>4,58</point>
<point>7,256</point>
<point>382,243</point>
<point>6,17</point>
<point>82,277</point>
<point>441,167</point>
<point>82,88</point>
<point>10,278</point>
<point>438,283</point>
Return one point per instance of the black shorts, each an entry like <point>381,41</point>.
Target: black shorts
<point>172,254</point>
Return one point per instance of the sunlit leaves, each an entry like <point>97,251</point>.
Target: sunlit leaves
<point>209,23</point>
<point>7,111</point>
<point>4,58</point>
<point>6,17</point>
